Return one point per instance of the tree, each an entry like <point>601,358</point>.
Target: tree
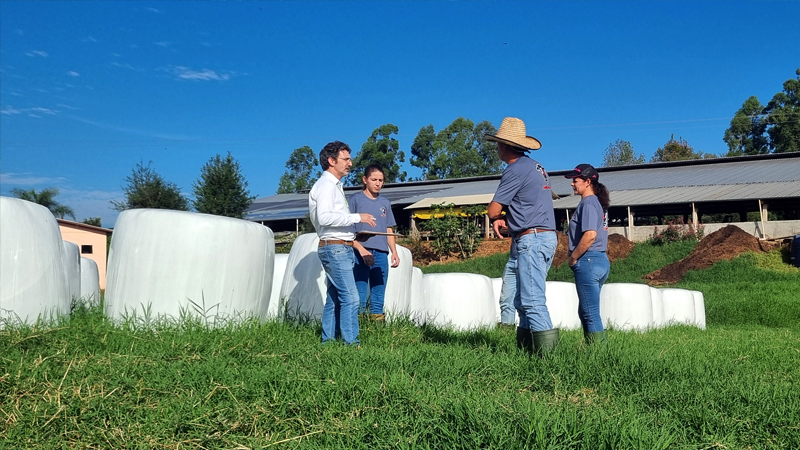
<point>147,189</point>
<point>620,153</point>
<point>94,221</point>
<point>783,117</point>
<point>746,135</point>
<point>46,198</point>
<point>299,175</point>
<point>459,150</point>
<point>222,189</point>
<point>679,150</point>
<point>382,149</point>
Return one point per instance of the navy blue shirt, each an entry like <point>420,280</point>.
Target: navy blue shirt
<point>525,192</point>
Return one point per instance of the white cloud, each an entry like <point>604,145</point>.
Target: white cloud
<point>172,137</point>
<point>153,10</point>
<point>27,179</point>
<point>186,73</point>
<point>10,111</point>
<point>88,39</point>
<point>164,44</point>
<point>72,73</point>
<point>125,66</point>
<point>34,53</point>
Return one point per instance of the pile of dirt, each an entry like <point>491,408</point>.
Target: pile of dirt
<point>619,247</point>
<point>723,244</point>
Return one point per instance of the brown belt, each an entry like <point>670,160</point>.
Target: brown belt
<point>326,242</point>
<point>533,230</point>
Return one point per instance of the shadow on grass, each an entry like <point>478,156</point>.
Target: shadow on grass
<point>493,340</point>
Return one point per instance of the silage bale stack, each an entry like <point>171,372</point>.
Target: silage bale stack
<point>463,301</point>
<point>304,288</point>
<point>397,300</point>
<point>72,268</point>
<point>32,277</point>
<point>90,281</point>
<point>165,263</point>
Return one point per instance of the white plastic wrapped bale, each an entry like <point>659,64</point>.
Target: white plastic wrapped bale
<point>165,263</point>
<point>417,299</point>
<point>497,290</point>
<point>90,281</point>
<point>658,307</point>
<point>275,309</point>
<point>72,268</point>
<point>699,310</point>
<point>678,306</point>
<point>562,304</point>
<point>397,300</point>
<point>32,280</point>
<point>304,288</point>
<point>462,300</point>
<point>626,306</point>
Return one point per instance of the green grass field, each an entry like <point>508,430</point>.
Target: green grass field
<point>90,383</point>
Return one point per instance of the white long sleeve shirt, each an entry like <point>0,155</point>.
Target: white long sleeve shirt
<point>328,209</point>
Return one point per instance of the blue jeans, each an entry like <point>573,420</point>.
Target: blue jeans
<point>536,251</point>
<point>340,314</point>
<point>372,279</point>
<point>508,293</point>
<point>591,271</point>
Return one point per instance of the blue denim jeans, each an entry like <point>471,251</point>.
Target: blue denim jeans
<point>508,293</point>
<point>372,279</point>
<point>340,314</point>
<point>536,251</point>
<point>591,271</point>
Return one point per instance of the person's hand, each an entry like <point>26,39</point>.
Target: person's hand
<point>497,226</point>
<point>367,218</point>
<point>572,260</point>
<point>395,260</point>
<point>369,260</point>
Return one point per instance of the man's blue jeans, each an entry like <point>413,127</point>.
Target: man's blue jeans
<point>536,251</point>
<point>372,279</point>
<point>340,314</point>
<point>591,271</point>
<point>508,293</point>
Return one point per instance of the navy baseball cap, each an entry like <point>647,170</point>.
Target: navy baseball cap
<point>584,171</point>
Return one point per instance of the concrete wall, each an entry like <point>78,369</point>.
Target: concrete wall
<point>773,229</point>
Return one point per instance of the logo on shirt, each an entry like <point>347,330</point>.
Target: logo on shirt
<point>605,220</point>
<point>543,173</point>
<point>383,211</point>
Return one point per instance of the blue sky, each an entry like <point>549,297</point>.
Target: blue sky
<point>89,89</point>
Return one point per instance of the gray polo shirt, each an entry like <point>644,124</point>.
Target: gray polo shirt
<point>525,192</point>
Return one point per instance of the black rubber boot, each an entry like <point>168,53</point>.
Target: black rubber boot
<point>524,339</point>
<point>545,342</point>
<point>598,338</point>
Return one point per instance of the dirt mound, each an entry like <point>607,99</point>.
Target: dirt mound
<point>562,250</point>
<point>619,247</point>
<point>723,244</point>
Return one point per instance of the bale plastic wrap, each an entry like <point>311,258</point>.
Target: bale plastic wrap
<point>276,306</point>
<point>32,279</point>
<point>166,263</point>
<point>304,287</point>
<point>417,299</point>
<point>626,306</point>
<point>699,310</point>
<point>397,300</point>
<point>562,304</point>
<point>497,290</point>
<point>72,268</point>
<point>658,307</point>
<point>462,300</point>
<point>678,306</point>
<point>90,281</point>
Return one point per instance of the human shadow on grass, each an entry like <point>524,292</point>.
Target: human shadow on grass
<point>481,338</point>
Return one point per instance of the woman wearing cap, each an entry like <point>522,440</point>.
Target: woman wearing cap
<point>588,241</point>
<point>372,261</point>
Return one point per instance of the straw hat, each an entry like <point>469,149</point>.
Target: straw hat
<point>512,132</point>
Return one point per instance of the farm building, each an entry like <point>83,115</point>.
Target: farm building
<point>760,194</point>
<point>91,240</point>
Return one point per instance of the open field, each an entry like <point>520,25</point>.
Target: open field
<point>90,383</point>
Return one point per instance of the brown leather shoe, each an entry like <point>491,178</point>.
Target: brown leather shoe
<point>377,317</point>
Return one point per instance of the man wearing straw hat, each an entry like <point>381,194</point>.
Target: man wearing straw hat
<point>330,214</point>
<point>524,195</point>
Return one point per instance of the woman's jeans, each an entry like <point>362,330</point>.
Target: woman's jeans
<point>340,314</point>
<point>591,271</point>
<point>372,280</point>
<point>536,251</point>
<point>508,315</point>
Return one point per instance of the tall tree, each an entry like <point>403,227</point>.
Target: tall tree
<point>459,150</point>
<point>147,189</point>
<point>382,149</point>
<point>679,150</point>
<point>746,135</point>
<point>783,117</point>
<point>620,153</point>
<point>300,174</point>
<point>45,197</point>
<point>222,189</point>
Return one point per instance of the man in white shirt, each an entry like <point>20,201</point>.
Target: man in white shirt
<point>330,214</point>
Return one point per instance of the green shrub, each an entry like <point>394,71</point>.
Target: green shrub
<point>455,232</point>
